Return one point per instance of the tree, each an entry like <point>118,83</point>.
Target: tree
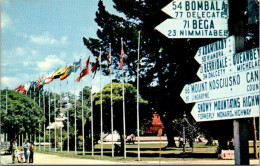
<point>130,110</point>
<point>23,114</point>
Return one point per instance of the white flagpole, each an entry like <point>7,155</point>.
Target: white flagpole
<point>49,120</point>
<point>75,114</point>
<point>34,106</point>
<point>138,132</point>
<point>83,141</point>
<point>55,128</point>
<point>92,118</point>
<point>39,122</point>
<point>61,121</point>
<point>6,101</point>
<point>123,106</point>
<point>44,122</point>
<point>101,111</point>
<point>68,129</point>
<point>112,127</point>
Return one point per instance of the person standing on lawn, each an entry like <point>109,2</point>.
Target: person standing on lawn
<point>26,147</point>
<point>31,152</point>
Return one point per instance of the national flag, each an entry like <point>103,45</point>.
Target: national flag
<point>84,71</point>
<point>94,68</point>
<point>18,88</point>
<point>109,55</point>
<point>27,86</point>
<point>66,73</point>
<point>22,89</point>
<point>75,66</point>
<point>40,82</point>
<point>121,59</point>
<point>59,72</point>
<point>49,78</point>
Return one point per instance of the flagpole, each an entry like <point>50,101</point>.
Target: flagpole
<point>39,122</point>
<point>6,93</point>
<point>49,121</point>
<point>44,122</point>
<point>92,118</point>
<point>123,106</point>
<point>138,132</point>
<point>34,106</point>
<point>112,127</point>
<point>101,111</point>
<point>55,128</point>
<point>75,115</point>
<point>61,122</point>
<point>68,129</point>
<point>83,141</point>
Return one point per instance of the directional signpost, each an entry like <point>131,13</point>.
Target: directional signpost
<point>196,19</point>
<point>245,106</point>
<point>216,50</point>
<point>236,84</point>
<point>229,64</point>
<point>197,9</point>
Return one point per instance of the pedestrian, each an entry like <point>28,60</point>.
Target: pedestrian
<point>14,150</point>
<point>180,142</point>
<point>31,152</point>
<point>26,147</point>
<point>21,156</point>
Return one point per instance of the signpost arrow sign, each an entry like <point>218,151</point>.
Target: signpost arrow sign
<point>216,50</point>
<point>245,106</point>
<point>229,64</point>
<point>194,28</point>
<point>236,84</point>
<point>197,9</point>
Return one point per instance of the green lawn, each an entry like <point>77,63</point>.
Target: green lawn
<point>148,152</point>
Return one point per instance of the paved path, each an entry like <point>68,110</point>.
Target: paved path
<point>54,159</point>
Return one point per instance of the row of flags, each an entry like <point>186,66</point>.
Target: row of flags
<point>64,72</point>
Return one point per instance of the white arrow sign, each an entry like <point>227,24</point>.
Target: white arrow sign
<point>236,84</point>
<point>229,64</point>
<point>216,50</point>
<point>228,108</point>
<point>204,9</point>
<point>194,28</point>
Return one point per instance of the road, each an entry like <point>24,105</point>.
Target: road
<point>47,159</point>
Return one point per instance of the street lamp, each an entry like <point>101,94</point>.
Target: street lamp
<point>184,142</point>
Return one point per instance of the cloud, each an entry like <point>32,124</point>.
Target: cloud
<point>9,81</point>
<point>19,51</point>
<point>5,20</point>
<point>95,89</point>
<point>47,39</point>
<point>49,62</point>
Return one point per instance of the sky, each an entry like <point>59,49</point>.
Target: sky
<point>38,37</point>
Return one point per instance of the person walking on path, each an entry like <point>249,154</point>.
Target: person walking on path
<point>26,147</point>
<point>31,152</point>
<point>14,150</point>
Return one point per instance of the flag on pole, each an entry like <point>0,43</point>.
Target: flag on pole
<point>40,82</point>
<point>59,72</point>
<point>18,88</point>
<point>84,71</point>
<point>122,58</point>
<point>76,66</point>
<point>49,78</point>
<point>109,56</point>
<point>94,68</point>
<point>66,73</point>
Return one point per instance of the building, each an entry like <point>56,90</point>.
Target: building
<point>152,126</point>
